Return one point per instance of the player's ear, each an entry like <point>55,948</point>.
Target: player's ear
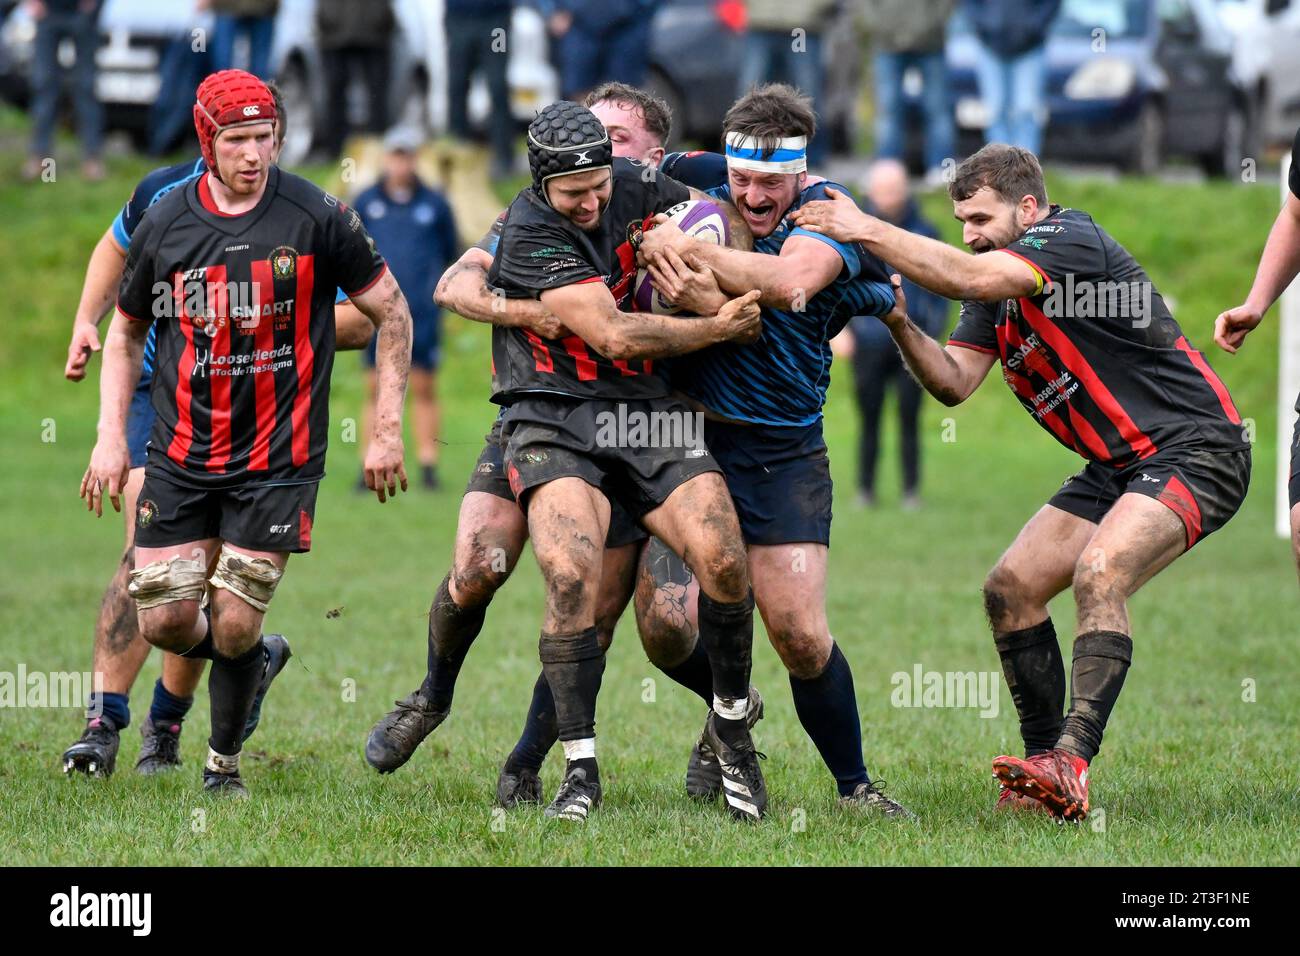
<point>655,157</point>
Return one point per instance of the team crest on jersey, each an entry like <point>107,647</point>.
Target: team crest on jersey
<point>284,262</point>
<point>145,513</point>
<point>635,230</point>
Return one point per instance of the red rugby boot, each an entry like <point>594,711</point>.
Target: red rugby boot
<point>1056,779</point>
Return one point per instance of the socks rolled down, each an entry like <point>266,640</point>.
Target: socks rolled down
<point>1035,674</point>
<point>232,685</point>
<point>573,665</point>
<point>1101,661</point>
<point>694,673</point>
<point>115,707</point>
<point>167,708</point>
<point>452,630</point>
<point>827,706</point>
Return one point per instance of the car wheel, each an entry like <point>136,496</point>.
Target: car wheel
<point>1236,145</point>
<point>300,136</point>
<point>1146,154</point>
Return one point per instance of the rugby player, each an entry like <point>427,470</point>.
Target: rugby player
<point>763,403</point>
<point>569,240</point>
<point>1109,375</point>
<point>240,265</point>
<point>1278,266</point>
<point>491,530</point>
<point>119,651</point>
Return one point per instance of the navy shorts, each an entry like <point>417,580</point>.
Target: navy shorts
<point>139,423</point>
<point>426,343</point>
<point>779,477</point>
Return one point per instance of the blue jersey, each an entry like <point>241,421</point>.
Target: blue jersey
<point>148,191</point>
<point>417,238</point>
<point>699,170</point>
<point>782,378</point>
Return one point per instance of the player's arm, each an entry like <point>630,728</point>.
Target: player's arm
<point>589,310</point>
<point>1278,266</point>
<point>386,307</point>
<point>353,329</point>
<point>110,462</point>
<point>103,274</point>
<point>928,262</point>
<point>464,290</point>
<point>949,373</point>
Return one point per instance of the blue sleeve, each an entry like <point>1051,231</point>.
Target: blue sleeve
<point>154,184</point>
<point>699,170</point>
<point>850,252</point>
<point>340,298</point>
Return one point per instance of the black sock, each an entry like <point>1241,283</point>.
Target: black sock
<point>573,664</point>
<point>232,685</point>
<point>727,633</point>
<point>540,731</point>
<point>452,630</point>
<point>1035,673</point>
<point>1101,659</point>
<point>694,673</point>
<point>828,709</point>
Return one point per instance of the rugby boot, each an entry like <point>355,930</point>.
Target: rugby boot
<point>400,731</point>
<point>160,747</point>
<point>95,752</point>
<point>703,774</point>
<point>1056,779</point>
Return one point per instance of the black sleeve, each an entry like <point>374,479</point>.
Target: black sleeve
<point>1057,247</point>
<point>532,258</point>
<point>353,262</point>
<point>136,296</point>
<point>1294,179</point>
<point>976,327</point>
<point>664,193</point>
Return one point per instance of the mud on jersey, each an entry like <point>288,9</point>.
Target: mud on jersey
<point>244,310</point>
<point>541,250</point>
<point>1094,354</point>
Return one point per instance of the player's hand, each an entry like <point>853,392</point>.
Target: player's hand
<point>742,318</point>
<point>1232,327</point>
<point>898,314</point>
<point>666,234</point>
<point>110,466</point>
<point>838,217</point>
<point>384,466</point>
<point>549,327</point>
<point>695,290</point>
<point>85,341</point>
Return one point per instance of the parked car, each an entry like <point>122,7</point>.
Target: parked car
<point>1129,82</point>
<point>1267,51</point>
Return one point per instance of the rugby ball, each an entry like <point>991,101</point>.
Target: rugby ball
<point>701,219</point>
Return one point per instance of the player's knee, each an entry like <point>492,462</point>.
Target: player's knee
<point>252,580</point>
<point>724,573</point>
<point>567,591</point>
<point>1001,596</point>
<point>803,650</point>
<point>169,626</point>
<point>161,585</point>
<point>476,583</point>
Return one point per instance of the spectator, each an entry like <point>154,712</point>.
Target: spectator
<point>598,41</point>
<point>414,229</point>
<point>355,37</point>
<point>56,21</point>
<point>909,34</point>
<point>254,19</point>
<point>181,71</point>
<point>875,357</point>
<point>784,45</point>
<point>472,44</point>
<point>1012,67</point>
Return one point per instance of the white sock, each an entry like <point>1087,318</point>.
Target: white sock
<point>731,709</point>
<point>222,763</point>
<point>580,749</point>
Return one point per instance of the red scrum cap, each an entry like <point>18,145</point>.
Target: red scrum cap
<point>225,100</point>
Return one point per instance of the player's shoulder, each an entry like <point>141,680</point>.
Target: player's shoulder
<point>817,192</point>
<point>698,169</point>
<point>158,182</point>
<point>527,216</point>
<point>164,208</point>
<point>317,203</point>
<point>1070,227</point>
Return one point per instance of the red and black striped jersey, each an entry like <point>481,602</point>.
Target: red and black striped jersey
<point>244,313</point>
<point>538,250</point>
<point>1095,355</point>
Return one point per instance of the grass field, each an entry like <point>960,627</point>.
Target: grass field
<point>1190,773</point>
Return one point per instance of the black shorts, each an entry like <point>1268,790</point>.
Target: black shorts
<point>779,477</point>
<point>1203,486</point>
<point>256,517</point>
<point>489,477</point>
<point>637,452</point>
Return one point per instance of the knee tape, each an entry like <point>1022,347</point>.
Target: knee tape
<point>163,582</point>
<point>251,579</point>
